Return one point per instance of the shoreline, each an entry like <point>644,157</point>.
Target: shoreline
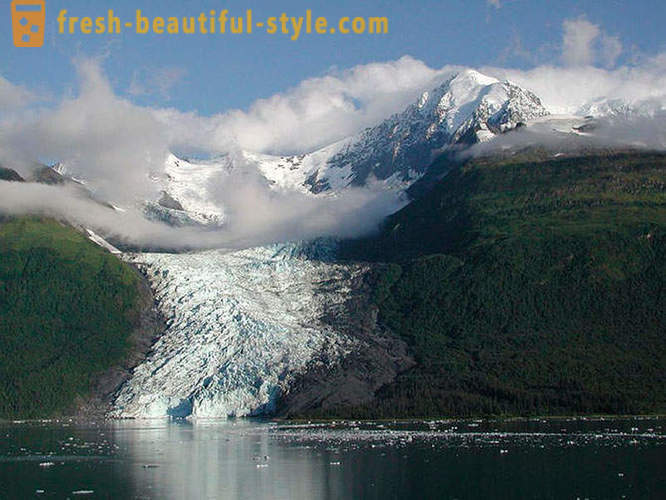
<point>74,419</point>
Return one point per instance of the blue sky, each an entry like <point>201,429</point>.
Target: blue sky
<point>210,74</point>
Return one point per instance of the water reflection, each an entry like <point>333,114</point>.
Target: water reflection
<point>246,459</point>
<point>224,460</point>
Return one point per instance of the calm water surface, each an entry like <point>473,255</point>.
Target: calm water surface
<point>563,458</point>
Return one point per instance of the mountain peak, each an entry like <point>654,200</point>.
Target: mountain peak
<point>461,87</point>
<point>468,107</point>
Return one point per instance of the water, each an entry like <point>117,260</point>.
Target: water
<point>560,458</point>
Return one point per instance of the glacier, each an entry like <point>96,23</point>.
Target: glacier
<point>241,325</point>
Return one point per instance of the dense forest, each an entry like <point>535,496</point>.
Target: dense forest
<point>66,313</point>
<point>527,285</point>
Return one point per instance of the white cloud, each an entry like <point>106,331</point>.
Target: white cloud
<point>98,135</point>
<point>566,90</point>
<point>322,110</point>
<point>261,215</point>
<point>13,96</point>
<point>156,81</point>
<point>577,42</point>
<point>116,146</point>
<point>315,113</point>
<point>584,44</point>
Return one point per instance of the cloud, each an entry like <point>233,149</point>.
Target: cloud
<point>259,215</point>
<point>69,203</point>
<point>119,148</point>
<point>322,110</point>
<point>13,96</point>
<point>99,136</point>
<point>577,40</point>
<point>256,210</point>
<point>642,132</point>
<point>584,44</point>
<point>565,90</point>
<point>156,81</point>
<point>315,113</point>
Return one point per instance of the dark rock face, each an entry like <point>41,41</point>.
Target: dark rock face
<point>376,360</point>
<point>317,185</point>
<point>7,174</point>
<point>47,175</point>
<point>167,201</point>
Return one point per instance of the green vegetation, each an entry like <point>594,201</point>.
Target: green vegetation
<point>528,286</point>
<point>66,309</point>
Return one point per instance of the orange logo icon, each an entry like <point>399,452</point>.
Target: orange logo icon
<point>28,20</point>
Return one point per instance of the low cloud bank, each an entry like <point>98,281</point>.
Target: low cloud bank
<point>624,132</point>
<point>258,216</point>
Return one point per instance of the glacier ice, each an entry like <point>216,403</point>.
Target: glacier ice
<point>240,326</point>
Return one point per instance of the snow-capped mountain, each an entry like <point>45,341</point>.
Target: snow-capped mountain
<point>468,107</point>
<point>619,108</point>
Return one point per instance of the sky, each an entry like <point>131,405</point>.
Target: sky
<point>112,108</point>
<point>208,74</point>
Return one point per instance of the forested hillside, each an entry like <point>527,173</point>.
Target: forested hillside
<point>67,310</point>
<point>528,285</point>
